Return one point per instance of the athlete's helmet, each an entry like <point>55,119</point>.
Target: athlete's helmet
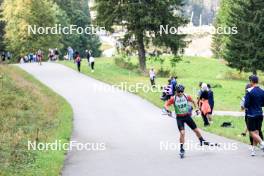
<point>180,88</point>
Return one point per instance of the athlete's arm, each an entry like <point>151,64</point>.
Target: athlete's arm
<point>191,100</point>
<point>169,103</point>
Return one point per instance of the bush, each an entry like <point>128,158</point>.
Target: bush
<point>233,75</point>
<point>163,73</point>
<point>125,62</point>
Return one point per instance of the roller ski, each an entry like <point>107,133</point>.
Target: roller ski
<point>182,153</point>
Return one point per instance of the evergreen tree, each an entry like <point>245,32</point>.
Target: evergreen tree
<point>245,50</point>
<point>77,13</point>
<point>220,40</point>
<point>143,17</point>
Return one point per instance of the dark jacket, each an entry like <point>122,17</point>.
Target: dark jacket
<point>254,102</point>
<point>211,98</point>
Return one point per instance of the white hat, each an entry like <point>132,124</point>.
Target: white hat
<point>204,87</point>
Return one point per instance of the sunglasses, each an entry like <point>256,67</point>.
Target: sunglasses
<point>179,91</point>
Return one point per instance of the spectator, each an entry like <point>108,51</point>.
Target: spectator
<point>56,54</point>
<point>204,104</point>
<point>174,84</point>
<point>254,101</point>
<point>8,55</point>
<point>78,61</point>
<point>3,56</point>
<point>92,62</point>
<point>152,77</point>
<point>70,53</point>
<point>88,55</point>
<point>211,102</point>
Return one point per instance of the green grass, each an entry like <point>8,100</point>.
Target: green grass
<point>191,70</point>
<point>234,132</point>
<point>27,106</point>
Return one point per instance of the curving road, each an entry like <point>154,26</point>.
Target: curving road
<point>134,134</point>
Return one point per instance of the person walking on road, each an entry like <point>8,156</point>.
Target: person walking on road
<point>78,61</point>
<point>92,60</point>
<point>152,77</point>
<point>39,56</point>
<point>181,105</point>
<point>254,101</point>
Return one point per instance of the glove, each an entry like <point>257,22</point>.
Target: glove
<point>197,112</point>
<point>169,113</point>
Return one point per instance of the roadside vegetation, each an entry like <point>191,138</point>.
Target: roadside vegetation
<point>30,112</point>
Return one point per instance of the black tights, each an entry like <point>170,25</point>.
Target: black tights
<point>205,119</point>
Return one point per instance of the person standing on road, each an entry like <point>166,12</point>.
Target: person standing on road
<point>152,77</point>
<point>181,105</point>
<point>92,60</point>
<point>254,101</point>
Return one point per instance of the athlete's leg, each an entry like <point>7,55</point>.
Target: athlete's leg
<point>190,122</point>
<point>197,133</point>
<point>260,134</point>
<point>180,123</point>
<point>182,136</point>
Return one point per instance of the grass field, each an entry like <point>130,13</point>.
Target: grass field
<point>234,132</point>
<point>30,112</point>
<point>191,71</point>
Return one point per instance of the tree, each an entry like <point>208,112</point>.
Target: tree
<point>142,20</point>
<point>77,13</point>
<point>220,40</point>
<point>245,50</point>
<point>2,26</point>
<point>18,17</point>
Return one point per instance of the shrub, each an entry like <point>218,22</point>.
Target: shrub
<point>125,62</point>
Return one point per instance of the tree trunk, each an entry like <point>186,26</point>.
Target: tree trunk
<point>254,71</point>
<point>141,53</point>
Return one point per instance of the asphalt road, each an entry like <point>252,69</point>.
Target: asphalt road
<point>137,139</point>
